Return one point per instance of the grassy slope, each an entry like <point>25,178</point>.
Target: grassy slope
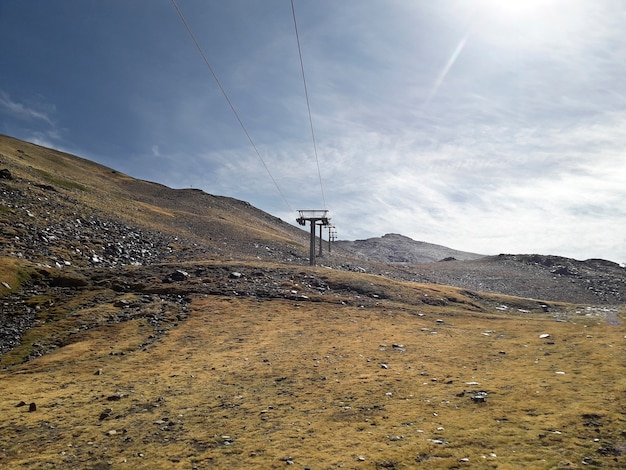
<point>187,212</point>
<point>247,384</point>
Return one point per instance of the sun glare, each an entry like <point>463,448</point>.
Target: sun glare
<point>518,9</point>
<point>527,22</point>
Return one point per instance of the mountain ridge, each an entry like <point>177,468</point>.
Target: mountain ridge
<point>397,248</point>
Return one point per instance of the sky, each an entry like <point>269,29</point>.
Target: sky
<point>487,126</point>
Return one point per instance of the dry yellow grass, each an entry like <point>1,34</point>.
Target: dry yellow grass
<point>261,384</point>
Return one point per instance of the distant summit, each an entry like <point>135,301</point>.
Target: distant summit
<point>395,248</point>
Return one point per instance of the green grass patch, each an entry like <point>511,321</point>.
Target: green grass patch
<point>61,182</point>
<point>14,273</point>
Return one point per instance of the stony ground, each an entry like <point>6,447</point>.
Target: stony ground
<point>258,365</point>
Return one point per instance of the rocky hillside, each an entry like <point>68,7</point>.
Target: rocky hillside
<point>553,278</point>
<point>59,212</point>
<point>394,248</point>
<point>90,214</point>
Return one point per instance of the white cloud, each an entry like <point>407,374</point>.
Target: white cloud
<point>22,111</point>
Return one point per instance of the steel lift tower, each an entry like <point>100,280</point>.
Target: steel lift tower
<point>313,217</point>
<point>332,235</point>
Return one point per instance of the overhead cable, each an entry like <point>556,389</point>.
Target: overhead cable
<point>308,106</point>
<point>232,107</point>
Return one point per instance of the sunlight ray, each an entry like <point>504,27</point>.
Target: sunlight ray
<point>444,72</point>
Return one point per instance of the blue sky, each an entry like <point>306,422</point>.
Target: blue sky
<point>489,126</point>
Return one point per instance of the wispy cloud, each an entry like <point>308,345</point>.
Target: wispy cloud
<point>22,111</point>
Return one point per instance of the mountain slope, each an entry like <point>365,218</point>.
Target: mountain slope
<point>58,188</point>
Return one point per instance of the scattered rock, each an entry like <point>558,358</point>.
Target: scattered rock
<point>439,441</point>
<point>176,276</point>
<point>47,187</point>
<point>479,397</point>
<point>105,414</point>
<point>116,397</point>
<point>564,271</point>
<point>5,174</point>
<point>32,407</point>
